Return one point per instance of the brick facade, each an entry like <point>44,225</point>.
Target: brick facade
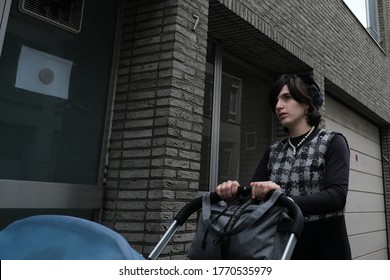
<point>154,157</point>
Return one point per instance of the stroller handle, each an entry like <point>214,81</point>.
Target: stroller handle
<point>196,204</point>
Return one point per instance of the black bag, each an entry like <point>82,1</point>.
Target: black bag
<point>246,229</point>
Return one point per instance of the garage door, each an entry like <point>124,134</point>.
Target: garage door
<point>365,209</point>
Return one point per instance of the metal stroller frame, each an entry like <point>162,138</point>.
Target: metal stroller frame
<point>196,204</point>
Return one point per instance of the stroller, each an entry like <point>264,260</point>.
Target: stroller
<point>57,237</point>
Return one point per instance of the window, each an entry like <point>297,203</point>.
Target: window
<point>53,102</point>
<point>235,111</point>
<point>366,11</point>
<point>373,20</point>
<point>234,98</point>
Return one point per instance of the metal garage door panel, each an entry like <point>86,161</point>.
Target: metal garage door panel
<point>364,163</point>
<point>365,209</point>
<point>359,181</point>
<point>378,255</point>
<point>364,202</point>
<point>358,223</point>
<point>368,243</point>
<point>356,141</point>
<point>339,113</point>
<point>365,153</point>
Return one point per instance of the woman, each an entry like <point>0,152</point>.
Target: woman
<point>311,166</point>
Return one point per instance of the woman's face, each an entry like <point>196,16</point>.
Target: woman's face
<point>290,112</point>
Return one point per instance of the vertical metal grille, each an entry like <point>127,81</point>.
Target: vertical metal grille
<point>66,14</point>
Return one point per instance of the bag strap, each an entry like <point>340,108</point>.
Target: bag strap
<point>237,213</point>
<point>241,225</point>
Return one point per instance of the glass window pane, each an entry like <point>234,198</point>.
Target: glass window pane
<point>246,120</point>
<point>53,96</point>
<point>358,7</point>
<point>230,128</point>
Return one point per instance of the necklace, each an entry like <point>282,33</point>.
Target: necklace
<point>300,142</point>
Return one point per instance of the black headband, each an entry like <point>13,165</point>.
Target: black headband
<point>313,89</point>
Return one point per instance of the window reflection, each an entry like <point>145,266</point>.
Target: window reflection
<point>53,97</point>
<point>245,121</point>
<point>43,73</point>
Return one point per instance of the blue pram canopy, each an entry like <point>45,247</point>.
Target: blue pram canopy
<point>57,237</point>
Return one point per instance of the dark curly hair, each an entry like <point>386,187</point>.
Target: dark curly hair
<point>304,90</point>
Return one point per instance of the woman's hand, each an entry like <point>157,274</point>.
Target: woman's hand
<point>260,189</point>
<point>227,190</point>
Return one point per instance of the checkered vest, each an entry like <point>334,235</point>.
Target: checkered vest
<point>302,173</point>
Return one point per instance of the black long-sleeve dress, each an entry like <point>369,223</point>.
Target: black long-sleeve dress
<point>322,239</point>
